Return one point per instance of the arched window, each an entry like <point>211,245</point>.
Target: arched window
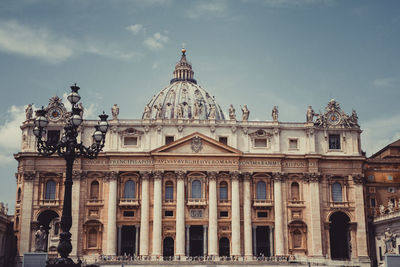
<point>50,190</point>
<point>92,238</point>
<point>169,190</point>
<point>129,189</point>
<point>261,190</point>
<point>19,194</point>
<point>223,191</point>
<point>196,189</point>
<point>94,190</point>
<point>297,242</point>
<point>337,192</point>
<point>294,189</point>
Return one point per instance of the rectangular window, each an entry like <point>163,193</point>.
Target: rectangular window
<point>293,144</point>
<point>129,213</point>
<point>169,139</point>
<point>373,203</point>
<point>258,142</point>
<point>53,137</point>
<point>223,214</point>
<point>223,139</point>
<point>390,178</point>
<point>371,177</point>
<point>169,213</point>
<point>130,141</point>
<point>262,214</point>
<point>334,141</point>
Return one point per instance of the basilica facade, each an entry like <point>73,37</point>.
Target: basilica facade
<point>186,180</point>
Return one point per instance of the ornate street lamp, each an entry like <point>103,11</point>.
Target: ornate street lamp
<point>69,148</point>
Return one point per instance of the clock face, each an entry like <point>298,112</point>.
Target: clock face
<point>54,114</point>
<point>333,118</point>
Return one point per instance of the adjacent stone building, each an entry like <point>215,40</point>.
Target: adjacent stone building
<point>186,181</point>
<point>383,201</point>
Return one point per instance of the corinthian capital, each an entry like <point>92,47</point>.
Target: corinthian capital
<point>180,175</point>
<point>212,175</point>
<point>246,175</point>
<point>358,178</point>
<point>78,175</point>
<point>145,175</point>
<point>157,174</point>
<point>29,176</point>
<point>278,176</point>
<point>235,175</point>
<point>312,177</point>
<point>112,175</point>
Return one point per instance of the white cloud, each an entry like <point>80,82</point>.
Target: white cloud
<point>207,8</point>
<point>43,44</point>
<point>32,42</point>
<point>157,41</point>
<point>10,133</point>
<point>135,28</point>
<point>384,82</point>
<point>292,3</point>
<point>378,133</point>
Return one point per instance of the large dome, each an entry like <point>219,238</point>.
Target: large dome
<point>183,98</point>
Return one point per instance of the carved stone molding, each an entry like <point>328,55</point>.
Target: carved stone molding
<point>146,128</point>
<point>312,177</point>
<point>180,128</point>
<point>158,175</point>
<point>180,174</point>
<point>114,129</point>
<point>358,178</point>
<point>233,128</point>
<point>145,175</point>
<point>235,175</point>
<point>29,176</point>
<point>278,176</point>
<point>212,129</point>
<point>212,175</point>
<point>79,175</point>
<point>276,131</point>
<point>113,175</point>
<point>245,130</point>
<point>310,131</point>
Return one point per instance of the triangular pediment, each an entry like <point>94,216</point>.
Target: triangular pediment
<point>196,144</point>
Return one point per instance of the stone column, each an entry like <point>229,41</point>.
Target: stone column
<point>271,240</point>
<point>360,215</point>
<point>27,200</point>
<point>205,228</point>
<point>187,240</point>
<point>180,214</point>
<point>212,215</point>
<point>278,210</point>
<point>112,214</point>
<point>137,229</point>
<point>248,250</point>
<point>157,214</point>
<point>76,177</point>
<point>315,229</point>
<point>144,215</point>
<point>235,215</point>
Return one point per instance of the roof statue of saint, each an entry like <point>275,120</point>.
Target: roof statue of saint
<point>183,98</point>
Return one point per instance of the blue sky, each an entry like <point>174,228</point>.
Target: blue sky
<point>289,53</point>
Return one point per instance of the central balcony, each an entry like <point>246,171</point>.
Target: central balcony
<point>262,203</point>
<point>197,202</point>
<point>128,202</point>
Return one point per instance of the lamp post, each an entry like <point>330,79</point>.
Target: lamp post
<point>69,148</point>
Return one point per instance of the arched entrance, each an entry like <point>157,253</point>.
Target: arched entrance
<point>339,236</point>
<point>224,249</point>
<point>45,218</point>
<point>168,247</point>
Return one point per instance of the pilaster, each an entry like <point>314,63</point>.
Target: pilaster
<point>278,210</point>
<point>112,213</point>
<point>248,250</point>
<point>157,214</point>
<point>144,215</point>
<point>27,200</point>
<point>180,214</point>
<point>212,214</point>
<point>235,214</point>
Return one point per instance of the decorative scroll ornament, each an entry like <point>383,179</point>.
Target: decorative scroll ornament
<point>197,144</point>
<point>334,116</point>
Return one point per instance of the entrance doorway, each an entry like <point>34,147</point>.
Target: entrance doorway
<point>262,241</point>
<point>168,247</point>
<point>224,249</point>
<point>339,235</point>
<point>44,219</point>
<point>128,236</point>
<point>196,240</point>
